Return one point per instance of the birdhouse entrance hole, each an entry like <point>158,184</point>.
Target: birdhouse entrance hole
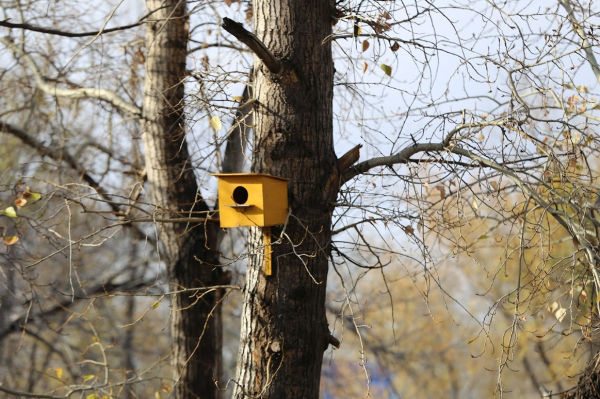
<point>240,195</point>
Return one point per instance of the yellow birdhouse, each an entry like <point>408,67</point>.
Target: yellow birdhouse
<point>252,199</point>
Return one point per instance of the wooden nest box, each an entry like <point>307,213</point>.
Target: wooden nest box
<point>252,199</point>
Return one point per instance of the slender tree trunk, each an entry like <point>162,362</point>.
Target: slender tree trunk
<point>197,351</point>
<point>284,327</point>
<point>7,299</point>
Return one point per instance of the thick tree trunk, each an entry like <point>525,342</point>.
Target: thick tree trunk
<point>197,350</point>
<point>284,327</point>
<point>589,382</point>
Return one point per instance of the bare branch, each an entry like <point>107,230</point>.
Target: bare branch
<point>585,43</point>
<point>64,156</point>
<point>204,46</point>
<point>254,43</point>
<point>54,154</point>
<point>57,32</point>
<point>348,159</point>
<point>399,158</point>
<point>559,215</point>
<point>404,155</point>
<point>19,323</point>
<point>84,92</point>
<point>27,394</point>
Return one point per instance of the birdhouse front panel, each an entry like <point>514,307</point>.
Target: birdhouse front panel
<point>240,203</point>
<point>252,199</point>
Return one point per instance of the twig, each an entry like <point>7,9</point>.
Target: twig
<point>585,43</point>
<point>85,92</point>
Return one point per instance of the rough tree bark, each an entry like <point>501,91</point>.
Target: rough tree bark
<point>197,349</point>
<point>589,382</point>
<point>284,327</point>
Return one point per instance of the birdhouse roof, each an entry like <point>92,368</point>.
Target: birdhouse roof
<point>225,175</point>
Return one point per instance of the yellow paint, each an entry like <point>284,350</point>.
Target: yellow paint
<point>252,199</point>
<point>268,250</point>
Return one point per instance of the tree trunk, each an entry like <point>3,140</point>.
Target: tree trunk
<point>589,382</point>
<point>197,351</point>
<point>284,327</point>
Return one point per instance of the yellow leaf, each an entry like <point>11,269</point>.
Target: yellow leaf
<point>10,212</point>
<point>387,69</point>
<point>365,67</point>
<point>582,89</point>
<point>10,240</point>
<point>215,123</point>
<point>59,372</point>
<point>92,396</point>
<point>157,395</point>
<point>155,304</point>
<point>475,205</point>
<point>494,185</point>
<point>560,313</point>
<point>238,99</point>
<point>35,196</point>
<point>365,45</point>
<point>88,377</point>
<point>575,136</point>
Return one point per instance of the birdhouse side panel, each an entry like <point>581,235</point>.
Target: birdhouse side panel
<point>275,201</point>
